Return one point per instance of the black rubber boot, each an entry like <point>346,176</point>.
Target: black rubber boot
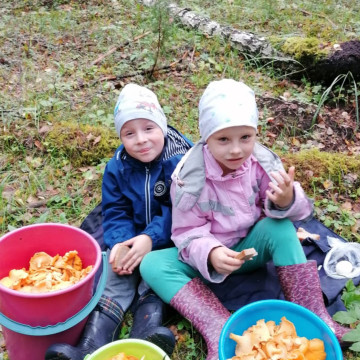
<point>147,323</point>
<point>102,327</point>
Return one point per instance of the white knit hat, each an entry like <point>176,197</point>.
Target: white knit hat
<point>226,103</point>
<point>138,102</point>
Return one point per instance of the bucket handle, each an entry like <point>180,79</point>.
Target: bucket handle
<point>67,324</point>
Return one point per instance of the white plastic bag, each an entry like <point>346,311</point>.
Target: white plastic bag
<point>343,259</point>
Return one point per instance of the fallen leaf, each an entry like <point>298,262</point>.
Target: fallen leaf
<point>347,206</point>
<point>31,199</point>
<point>309,174</point>
<point>356,207</point>
<point>270,134</point>
<point>356,227</point>
<point>329,131</point>
<point>295,142</point>
<point>286,95</point>
<point>48,193</point>
<point>351,178</point>
<point>8,192</point>
<point>39,145</point>
<point>87,200</point>
<point>44,130</point>
<point>327,184</point>
<point>321,125</point>
<point>97,139</point>
<point>345,115</point>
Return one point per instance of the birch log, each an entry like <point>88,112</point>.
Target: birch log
<point>246,42</point>
<point>325,69</point>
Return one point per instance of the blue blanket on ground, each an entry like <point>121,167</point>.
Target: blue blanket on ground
<point>238,290</point>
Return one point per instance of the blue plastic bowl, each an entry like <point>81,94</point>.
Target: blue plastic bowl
<point>306,323</point>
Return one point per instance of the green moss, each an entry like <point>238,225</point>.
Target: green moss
<point>314,166</point>
<point>304,49</point>
<point>82,144</point>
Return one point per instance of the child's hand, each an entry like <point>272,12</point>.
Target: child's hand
<point>282,193</point>
<point>223,260</point>
<point>140,246</point>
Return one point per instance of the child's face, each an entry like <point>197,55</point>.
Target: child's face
<point>142,139</point>
<point>232,146</point>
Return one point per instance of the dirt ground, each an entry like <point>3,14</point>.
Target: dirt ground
<point>333,130</point>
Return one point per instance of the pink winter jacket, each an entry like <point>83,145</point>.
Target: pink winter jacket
<point>211,210</point>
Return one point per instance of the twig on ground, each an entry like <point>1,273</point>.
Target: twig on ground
<point>171,67</point>
<point>319,15</point>
<point>192,55</point>
<point>37,204</point>
<point>180,60</point>
<point>115,48</point>
<point>166,68</point>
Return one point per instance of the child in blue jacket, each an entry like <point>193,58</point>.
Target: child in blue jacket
<point>136,209</point>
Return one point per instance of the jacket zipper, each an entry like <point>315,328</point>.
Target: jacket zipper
<point>147,196</point>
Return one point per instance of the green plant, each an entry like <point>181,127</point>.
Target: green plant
<point>351,317</point>
<point>334,217</point>
<point>191,346</point>
<point>161,25</point>
<point>339,79</point>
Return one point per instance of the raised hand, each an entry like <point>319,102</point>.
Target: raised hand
<point>282,193</point>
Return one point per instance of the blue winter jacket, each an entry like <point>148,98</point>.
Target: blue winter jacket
<point>136,195</point>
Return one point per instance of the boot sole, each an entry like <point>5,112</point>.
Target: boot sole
<point>57,357</point>
<point>161,342</point>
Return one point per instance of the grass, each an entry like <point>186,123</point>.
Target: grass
<point>340,79</point>
<point>286,19</point>
<point>56,119</point>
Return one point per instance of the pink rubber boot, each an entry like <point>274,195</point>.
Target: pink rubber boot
<point>301,285</point>
<point>196,302</point>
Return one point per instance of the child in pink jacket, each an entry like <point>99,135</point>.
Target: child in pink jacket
<point>230,193</point>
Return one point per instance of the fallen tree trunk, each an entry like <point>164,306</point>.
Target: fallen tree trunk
<point>297,61</point>
<point>246,42</point>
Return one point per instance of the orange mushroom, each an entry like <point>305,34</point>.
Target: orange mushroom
<point>316,350</point>
<point>268,341</point>
<point>47,273</point>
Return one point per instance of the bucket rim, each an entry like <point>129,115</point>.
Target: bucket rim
<point>114,344</point>
<point>61,291</point>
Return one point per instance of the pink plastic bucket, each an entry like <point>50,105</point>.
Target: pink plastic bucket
<point>47,309</point>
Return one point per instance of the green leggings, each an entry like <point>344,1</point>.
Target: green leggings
<point>273,239</point>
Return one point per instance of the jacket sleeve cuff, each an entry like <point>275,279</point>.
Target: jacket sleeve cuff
<point>213,276</point>
<point>197,256</point>
<point>301,207</point>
